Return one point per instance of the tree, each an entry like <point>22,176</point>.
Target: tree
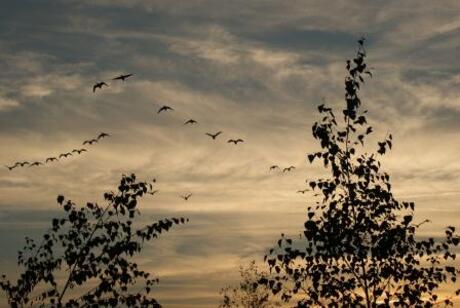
<point>359,247</point>
<point>92,247</point>
<point>248,294</point>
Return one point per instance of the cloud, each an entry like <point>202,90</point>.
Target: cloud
<point>6,103</point>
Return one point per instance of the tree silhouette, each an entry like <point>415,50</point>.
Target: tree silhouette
<point>359,247</point>
<point>248,293</point>
<point>90,248</point>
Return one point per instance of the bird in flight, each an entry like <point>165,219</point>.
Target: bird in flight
<point>91,141</point>
<point>102,135</point>
<point>65,155</point>
<point>288,168</point>
<point>99,86</point>
<point>122,77</point>
<point>22,164</point>
<point>153,192</point>
<point>303,191</point>
<point>186,197</point>
<point>37,163</point>
<point>191,121</point>
<point>12,167</point>
<point>274,167</point>
<point>51,159</point>
<point>79,151</point>
<point>164,108</point>
<point>235,141</point>
<point>214,136</point>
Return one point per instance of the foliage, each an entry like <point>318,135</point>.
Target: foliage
<point>248,294</point>
<point>90,246</point>
<point>359,247</point>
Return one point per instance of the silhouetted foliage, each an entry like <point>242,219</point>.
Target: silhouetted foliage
<point>90,247</point>
<point>248,293</point>
<point>359,247</point>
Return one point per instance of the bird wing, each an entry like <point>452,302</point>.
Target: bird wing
<point>218,133</point>
<point>104,84</point>
<point>118,78</point>
<point>239,140</point>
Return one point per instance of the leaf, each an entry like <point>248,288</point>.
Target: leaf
<point>60,199</point>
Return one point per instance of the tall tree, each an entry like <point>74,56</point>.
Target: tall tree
<point>85,258</point>
<point>359,247</point>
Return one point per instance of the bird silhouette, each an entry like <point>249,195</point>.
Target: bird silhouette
<point>11,167</point>
<point>164,108</point>
<point>99,85</point>
<point>122,77</point>
<point>191,121</point>
<point>235,141</point>
<point>90,141</point>
<point>65,155</point>
<point>214,136</point>
<point>79,151</point>
<point>153,192</point>
<point>37,163</point>
<point>102,135</point>
<point>51,159</point>
<point>186,197</point>
<point>303,191</point>
<point>288,168</point>
<point>274,167</point>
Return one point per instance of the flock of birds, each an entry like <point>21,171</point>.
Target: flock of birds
<point>192,121</point>
<point>58,157</point>
<point>166,108</point>
<point>287,169</point>
<point>99,85</point>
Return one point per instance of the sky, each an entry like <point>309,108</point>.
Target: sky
<point>254,70</point>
